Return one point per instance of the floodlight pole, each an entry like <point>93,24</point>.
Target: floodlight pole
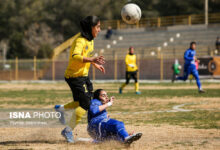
<point>206,12</point>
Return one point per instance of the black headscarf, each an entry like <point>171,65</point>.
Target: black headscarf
<point>86,26</point>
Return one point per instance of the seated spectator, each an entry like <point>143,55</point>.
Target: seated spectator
<point>109,33</point>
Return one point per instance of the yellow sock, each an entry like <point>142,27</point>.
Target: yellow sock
<point>76,117</point>
<point>123,85</point>
<point>71,105</point>
<point>136,87</point>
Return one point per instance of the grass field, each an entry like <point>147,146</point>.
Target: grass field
<point>170,116</point>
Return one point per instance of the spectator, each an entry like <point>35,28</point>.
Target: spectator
<point>176,69</point>
<point>109,33</point>
<point>217,45</point>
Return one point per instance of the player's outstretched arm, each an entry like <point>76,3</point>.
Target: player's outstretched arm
<point>99,67</point>
<point>100,60</point>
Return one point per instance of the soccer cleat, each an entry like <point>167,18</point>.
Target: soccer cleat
<point>201,91</point>
<point>68,135</point>
<point>120,90</point>
<point>62,117</point>
<point>138,92</point>
<point>133,138</point>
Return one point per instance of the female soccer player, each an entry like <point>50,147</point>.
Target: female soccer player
<point>76,74</point>
<point>101,127</point>
<point>131,71</point>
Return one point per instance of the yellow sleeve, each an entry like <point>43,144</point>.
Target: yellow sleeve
<point>135,60</point>
<point>77,50</point>
<point>126,60</point>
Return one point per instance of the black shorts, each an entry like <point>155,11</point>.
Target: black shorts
<point>81,88</point>
<point>130,75</point>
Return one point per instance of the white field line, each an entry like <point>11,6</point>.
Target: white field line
<point>176,108</point>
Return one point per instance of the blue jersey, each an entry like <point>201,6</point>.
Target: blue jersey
<point>100,127</point>
<point>94,115</point>
<point>189,57</point>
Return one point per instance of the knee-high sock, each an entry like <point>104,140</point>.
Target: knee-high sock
<point>123,85</point>
<point>136,87</point>
<point>76,117</point>
<point>71,105</point>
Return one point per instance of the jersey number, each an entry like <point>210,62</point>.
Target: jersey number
<point>85,87</point>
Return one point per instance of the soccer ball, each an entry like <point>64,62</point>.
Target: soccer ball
<point>131,13</point>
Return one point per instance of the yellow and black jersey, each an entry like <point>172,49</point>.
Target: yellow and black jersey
<point>130,61</point>
<point>81,47</point>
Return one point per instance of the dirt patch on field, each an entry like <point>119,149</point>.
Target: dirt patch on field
<point>154,137</point>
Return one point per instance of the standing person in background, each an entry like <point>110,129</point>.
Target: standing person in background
<point>76,74</point>
<point>190,66</point>
<point>131,70</point>
<point>217,45</point>
<point>176,70</point>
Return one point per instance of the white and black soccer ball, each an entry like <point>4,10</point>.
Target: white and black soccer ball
<point>131,13</point>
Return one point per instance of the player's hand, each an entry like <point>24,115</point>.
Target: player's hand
<point>112,99</point>
<point>101,68</point>
<point>131,65</point>
<point>100,60</point>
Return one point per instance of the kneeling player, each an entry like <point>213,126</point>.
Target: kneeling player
<point>101,127</point>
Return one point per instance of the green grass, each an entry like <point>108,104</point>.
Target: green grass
<point>201,119</point>
<point>169,93</point>
<point>33,97</point>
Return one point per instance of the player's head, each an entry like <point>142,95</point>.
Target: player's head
<point>101,95</point>
<point>193,45</point>
<point>176,61</point>
<point>90,27</point>
<point>131,50</point>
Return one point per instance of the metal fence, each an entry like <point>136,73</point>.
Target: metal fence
<point>154,68</point>
<point>163,21</point>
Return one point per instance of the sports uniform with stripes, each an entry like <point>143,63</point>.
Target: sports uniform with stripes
<point>100,127</point>
<point>190,67</point>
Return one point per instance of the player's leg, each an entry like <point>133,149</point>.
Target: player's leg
<point>173,77</point>
<point>185,74</point>
<point>116,128</point>
<point>82,92</point>
<point>127,77</point>
<point>71,105</point>
<point>112,128</point>
<point>61,109</point>
<point>134,76</point>
<point>76,117</point>
<point>196,76</point>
